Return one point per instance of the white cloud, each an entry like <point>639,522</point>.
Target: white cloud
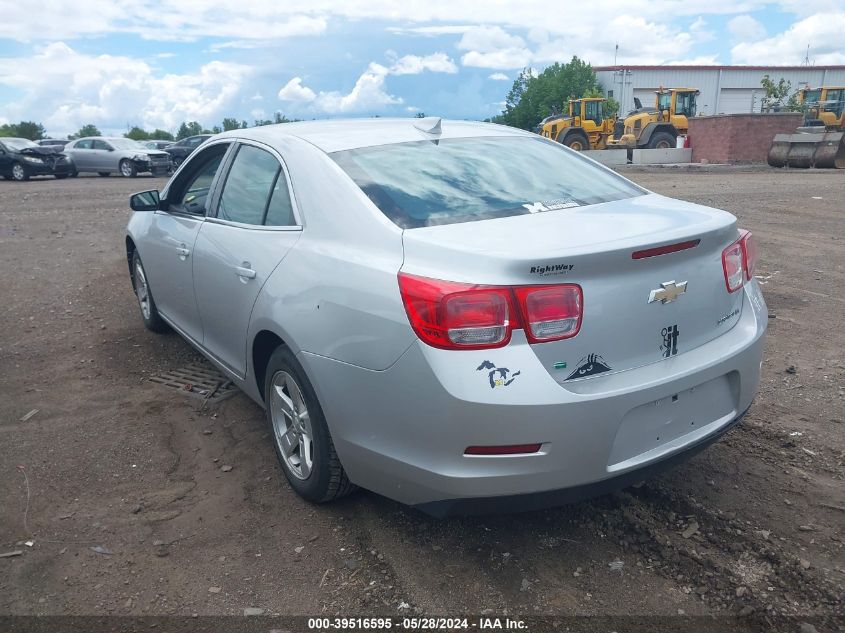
<point>493,47</point>
<point>414,64</point>
<point>499,77</point>
<point>744,28</point>
<point>369,91</point>
<point>66,89</point>
<point>823,32</point>
<point>295,91</point>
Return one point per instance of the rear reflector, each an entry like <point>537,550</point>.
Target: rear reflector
<point>513,449</point>
<point>664,250</point>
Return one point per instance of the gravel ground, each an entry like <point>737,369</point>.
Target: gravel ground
<point>119,482</point>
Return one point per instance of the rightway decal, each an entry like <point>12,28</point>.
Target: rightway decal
<point>590,365</point>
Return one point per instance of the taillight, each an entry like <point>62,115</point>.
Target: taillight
<point>550,313</point>
<point>749,253</point>
<point>738,261</point>
<point>452,315</point>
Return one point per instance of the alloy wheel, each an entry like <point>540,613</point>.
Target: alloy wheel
<point>142,291</point>
<point>18,172</point>
<point>291,425</point>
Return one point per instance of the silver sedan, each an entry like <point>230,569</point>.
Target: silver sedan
<point>108,155</point>
<point>459,316</point>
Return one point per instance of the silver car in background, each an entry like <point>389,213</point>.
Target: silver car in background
<point>459,316</point>
<point>108,155</point>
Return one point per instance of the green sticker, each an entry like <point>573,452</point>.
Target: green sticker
<point>560,365</point>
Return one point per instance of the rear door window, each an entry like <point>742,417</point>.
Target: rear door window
<point>250,194</point>
<point>101,145</point>
<point>86,144</point>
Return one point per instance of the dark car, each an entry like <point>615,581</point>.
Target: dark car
<point>156,144</point>
<point>52,142</point>
<point>20,158</point>
<point>180,150</point>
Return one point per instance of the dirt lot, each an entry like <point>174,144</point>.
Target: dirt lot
<point>751,526</point>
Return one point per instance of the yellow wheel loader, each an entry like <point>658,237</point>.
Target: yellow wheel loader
<point>584,128</point>
<point>657,127</point>
<point>820,142</point>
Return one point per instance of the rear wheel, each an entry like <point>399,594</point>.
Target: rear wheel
<point>149,312</point>
<point>301,437</point>
<point>578,142</point>
<point>104,174</point>
<point>128,169</point>
<point>662,140</point>
<point>19,172</point>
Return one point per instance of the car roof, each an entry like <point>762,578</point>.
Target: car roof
<point>333,135</point>
<point>14,138</point>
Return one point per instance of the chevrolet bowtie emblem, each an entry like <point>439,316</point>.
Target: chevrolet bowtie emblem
<point>668,291</point>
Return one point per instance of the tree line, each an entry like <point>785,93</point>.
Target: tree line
<point>35,131</point>
<point>534,96</point>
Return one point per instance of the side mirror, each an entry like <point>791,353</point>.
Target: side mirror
<point>144,201</point>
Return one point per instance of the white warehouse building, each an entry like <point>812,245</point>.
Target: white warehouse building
<point>724,89</point>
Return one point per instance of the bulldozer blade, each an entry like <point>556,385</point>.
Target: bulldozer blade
<point>824,151</point>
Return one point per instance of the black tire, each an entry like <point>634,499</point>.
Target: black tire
<point>577,142</point>
<point>19,172</point>
<point>127,169</point>
<point>61,176</point>
<point>152,320</point>
<point>327,480</point>
<point>662,140</point>
<point>74,174</point>
<point>104,174</point>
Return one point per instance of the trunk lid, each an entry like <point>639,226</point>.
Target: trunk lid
<point>592,246</point>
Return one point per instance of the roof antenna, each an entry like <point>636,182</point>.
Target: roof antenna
<point>429,125</point>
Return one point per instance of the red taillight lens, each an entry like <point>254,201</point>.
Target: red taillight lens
<point>457,316</point>
<point>732,264</point>
<point>452,315</point>
<point>749,253</point>
<point>738,261</point>
<point>550,313</point>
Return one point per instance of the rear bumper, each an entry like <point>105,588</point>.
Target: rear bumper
<point>402,432</point>
<point>563,496</point>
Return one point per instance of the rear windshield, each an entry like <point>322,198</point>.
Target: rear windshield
<point>424,183</point>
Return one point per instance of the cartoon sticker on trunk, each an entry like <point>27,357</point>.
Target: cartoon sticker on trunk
<point>590,365</point>
<point>498,376</point>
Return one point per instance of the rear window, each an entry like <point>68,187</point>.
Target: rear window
<point>425,183</point>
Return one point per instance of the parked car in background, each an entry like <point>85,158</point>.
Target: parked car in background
<point>180,150</point>
<point>456,315</point>
<point>52,142</point>
<point>108,155</point>
<point>156,144</point>
<point>20,159</point>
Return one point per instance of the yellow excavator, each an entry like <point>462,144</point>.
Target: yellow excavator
<point>657,127</point>
<point>585,127</point>
<point>820,142</point>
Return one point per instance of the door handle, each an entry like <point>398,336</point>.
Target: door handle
<point>244,272</point>
<point>183,252</point>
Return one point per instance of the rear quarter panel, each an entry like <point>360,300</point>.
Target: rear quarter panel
<point>336,294</point>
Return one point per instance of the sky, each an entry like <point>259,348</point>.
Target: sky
<point>156,63</point>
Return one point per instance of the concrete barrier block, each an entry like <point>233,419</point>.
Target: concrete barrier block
<point>661,156</point>
<point>608,156</point>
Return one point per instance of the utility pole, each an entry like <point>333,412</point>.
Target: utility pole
<point>616,53</point>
